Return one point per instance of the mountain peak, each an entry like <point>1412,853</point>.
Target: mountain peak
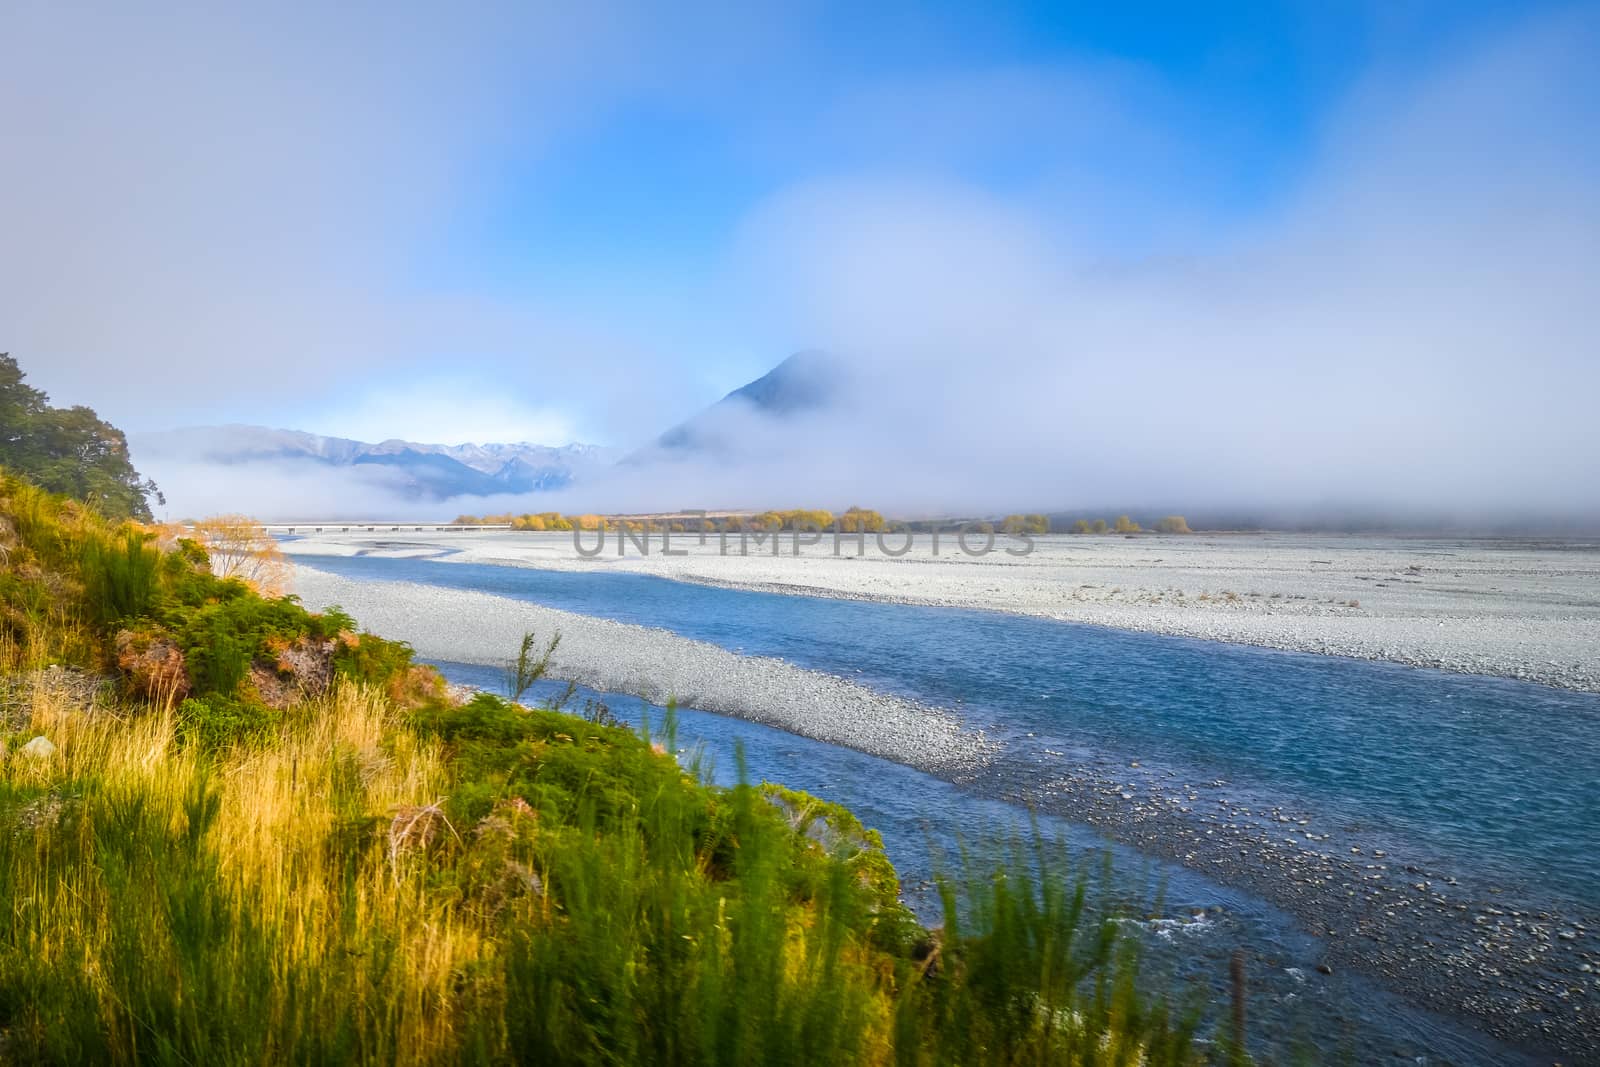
<point>806,381</point>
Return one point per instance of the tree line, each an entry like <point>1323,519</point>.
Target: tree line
<point>851,520</point>
<point>1171,524</point>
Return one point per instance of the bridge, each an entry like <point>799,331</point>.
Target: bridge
<point>378,527</point>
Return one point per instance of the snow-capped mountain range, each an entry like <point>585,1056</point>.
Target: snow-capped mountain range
<point>803,383</point>
<point>426,470</point>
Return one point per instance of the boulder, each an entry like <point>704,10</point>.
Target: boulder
<point>39,748</point>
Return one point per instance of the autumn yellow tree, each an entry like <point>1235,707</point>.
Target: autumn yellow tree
<point>241,548</point>
<point>1025,524</point>
<point>808,519</point>
<point>1126,525</point>
<point>856,520</point>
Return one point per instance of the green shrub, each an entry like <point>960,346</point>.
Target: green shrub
<point>1034,967</point>
<point>120,575</point>
<point>493,744</point>
<point>216,721</point>
<point>370,659</point>
<point>221,639</point>
<point>218,657</point>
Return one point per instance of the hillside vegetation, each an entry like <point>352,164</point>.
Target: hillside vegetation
<point>234,831</point>
<point>68,450</point>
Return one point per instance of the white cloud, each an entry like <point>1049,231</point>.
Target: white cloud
<point>1412,330</point>
<point>213,209</point>
<point>451,411</point>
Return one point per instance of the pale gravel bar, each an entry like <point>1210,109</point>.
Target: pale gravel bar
<point>469,627</point>
<point>1513,608</point>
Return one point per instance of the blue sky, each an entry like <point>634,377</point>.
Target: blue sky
<point>652,187</point>
<point>1232,95</point>
<point>1173,120</point>
<point>549,223</point>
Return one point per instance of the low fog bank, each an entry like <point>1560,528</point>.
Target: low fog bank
<point>286,490</point>
<point>290,491</point>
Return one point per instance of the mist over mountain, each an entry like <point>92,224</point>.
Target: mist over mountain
<point>281,473</point>
<point>787,438</point>
<point>242,461</point>
<point>807,382</point>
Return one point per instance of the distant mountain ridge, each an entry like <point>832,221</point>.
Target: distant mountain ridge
<point>805,382</point>
<point>423,470</point>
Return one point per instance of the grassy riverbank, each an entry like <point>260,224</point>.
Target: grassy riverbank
<point>252,835</point>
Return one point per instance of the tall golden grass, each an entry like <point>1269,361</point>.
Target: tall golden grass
<point>281,856</point>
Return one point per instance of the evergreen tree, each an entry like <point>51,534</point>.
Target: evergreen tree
<point>69,450</point>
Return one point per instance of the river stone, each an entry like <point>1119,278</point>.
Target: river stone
<point>39,748</point>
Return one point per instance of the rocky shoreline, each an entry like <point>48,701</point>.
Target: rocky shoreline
<point>1525,970</point>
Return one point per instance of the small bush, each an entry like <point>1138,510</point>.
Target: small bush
<point>216,721</point>
<point>371,659</point>
<point>528,666</point>
<point>218,657</point>
<point>221,639</point>
<point>120,575</point>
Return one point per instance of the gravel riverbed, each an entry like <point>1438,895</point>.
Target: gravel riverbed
<point>1513,608</point>
<point>656,665</point>
<point>1500,956</point>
